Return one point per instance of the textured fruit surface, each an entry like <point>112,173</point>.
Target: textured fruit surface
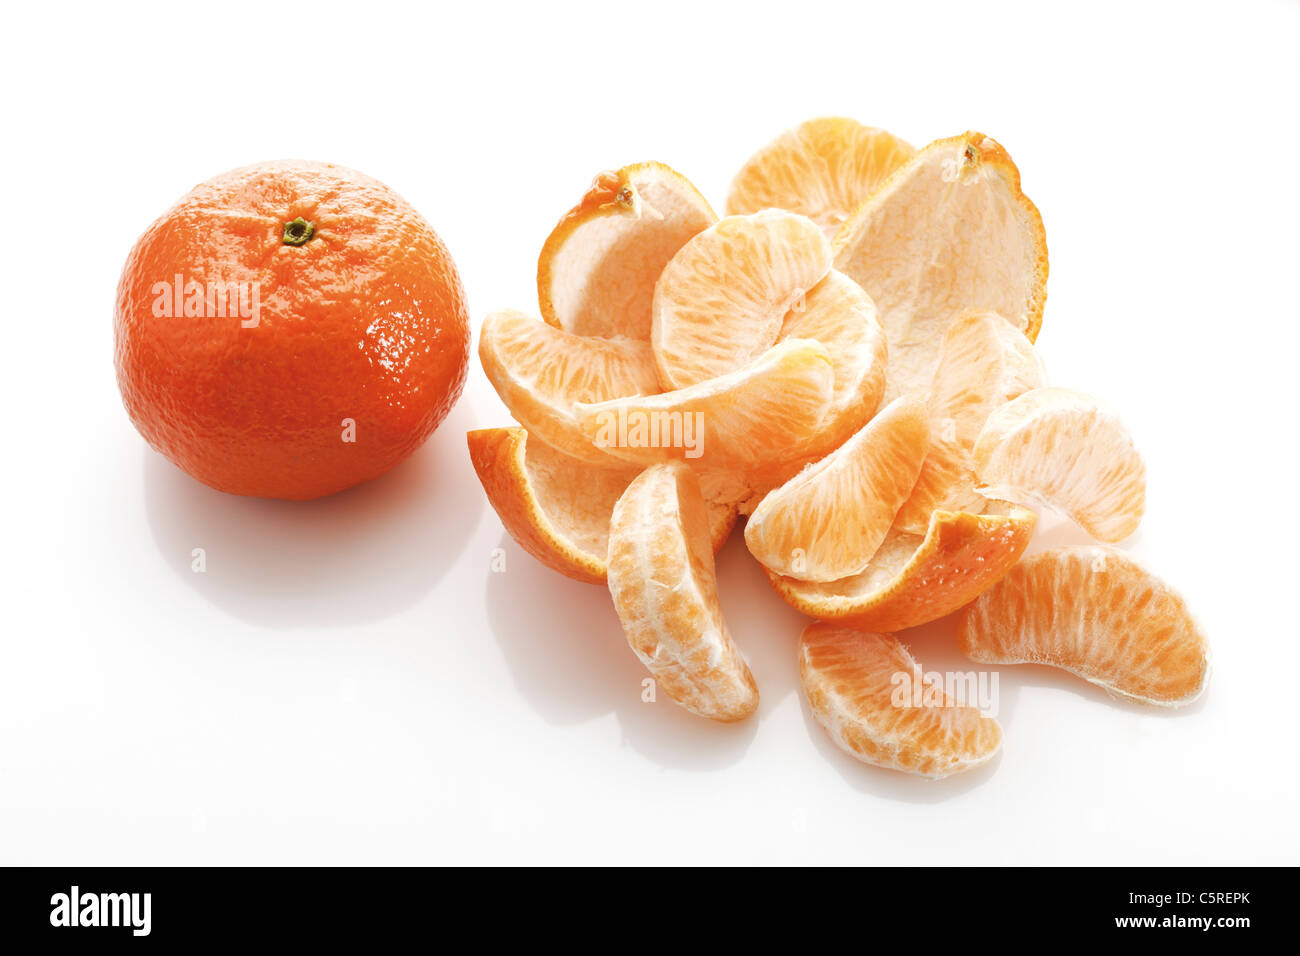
<point>828,521</point>
<point>749,420</point>
<point>839,315</point>
<point>823,168</point>
<point>985,362</point>
<point>364,322</point>
<point>662,580</point>
<point>850,678</point>
<point>1066,449</point>
<point>542,372</point>
<point>597,271</point>
<point>914,579</point>
<point>557,508</point>
<point>1094,612</point>
<point>950,230</point>
<point>723,298</point>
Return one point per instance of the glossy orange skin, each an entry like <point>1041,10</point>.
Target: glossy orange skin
<point>366,321</point>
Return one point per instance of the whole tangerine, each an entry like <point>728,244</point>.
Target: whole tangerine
<point>288,330</point>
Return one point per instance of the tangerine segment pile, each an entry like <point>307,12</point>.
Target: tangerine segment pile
<point>662,580</point>
<point>914,579</point>
<point>950,230</point>
<point>850,678</point>
<point>1069,450</point>
<point>828,521</point>
<point>597,271</point>
<point>722,299</point>
<point>748,420</point>
<point>1096,613</point>
<point>541,372</point>
<point>824,168</point>
<point>557,508</point>
<point>985,362</point>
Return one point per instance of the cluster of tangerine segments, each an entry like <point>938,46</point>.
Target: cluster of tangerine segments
<point>847,359</point>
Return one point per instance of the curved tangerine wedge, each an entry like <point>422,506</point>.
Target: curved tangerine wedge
<point>850,678</point>
<point>823,168</point>
<point>540,372</point>
<point>722,299</point>
<point>985,363</point>
<point>839,315</point>
<point>597,271</point>
<point>556,507</point>
<point>1070,451</point>
<point>914,579</point>
<point>1096,613</point>
<point>662,580</point>
<point>949,230</point>
<point>826,522</point>
<point>743,422</point>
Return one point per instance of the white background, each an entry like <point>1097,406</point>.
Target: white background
<point>348,682</point>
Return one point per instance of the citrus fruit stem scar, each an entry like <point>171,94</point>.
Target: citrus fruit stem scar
<point>298,232</point>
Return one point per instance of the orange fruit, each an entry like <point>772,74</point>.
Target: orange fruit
<point>985,362</point>
<point>914,579</point>
<point>745,421</point>
<point>826,522</point>
<point>1064,448</point>
<point>850,678</point>
<point>556,507</point>
<point>597,271</point>
<point>722,299</point>
<point>542,372</point>
<point>288,330</point>
<point>950,230</point>
<point>662,579</point>
<point>824,169</point>
<point>1096,613</point>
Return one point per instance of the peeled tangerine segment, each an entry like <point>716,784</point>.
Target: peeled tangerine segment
<point>540,372</point>
<point>839,315</point>
<point>985,362</point>
<point>823,168</point>
<point>597,271</point>
<point>556,507</point>
<point>745,421</point>
<point>661,576</point>
<point>722,299</point>
<point>948,231</point>
<point>1066,449</point>
<point>828,521</point>
<point>914,579</point>
<point>1096,613</point>
<point>851,678</point>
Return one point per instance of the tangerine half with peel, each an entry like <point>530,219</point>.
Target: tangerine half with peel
<point>949,230</point>
<point>826,522</point>
<point>542,373</point>
<point>852,679</point>
<point>823,168</point>
<point>556,507</point>
<point>914,579</point>
<point>1070,451</point>
<point>288,330</point>
<point>722,299</point>
<point>1097,613</point>
<point>597,271</point>
<point>662,579</point>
